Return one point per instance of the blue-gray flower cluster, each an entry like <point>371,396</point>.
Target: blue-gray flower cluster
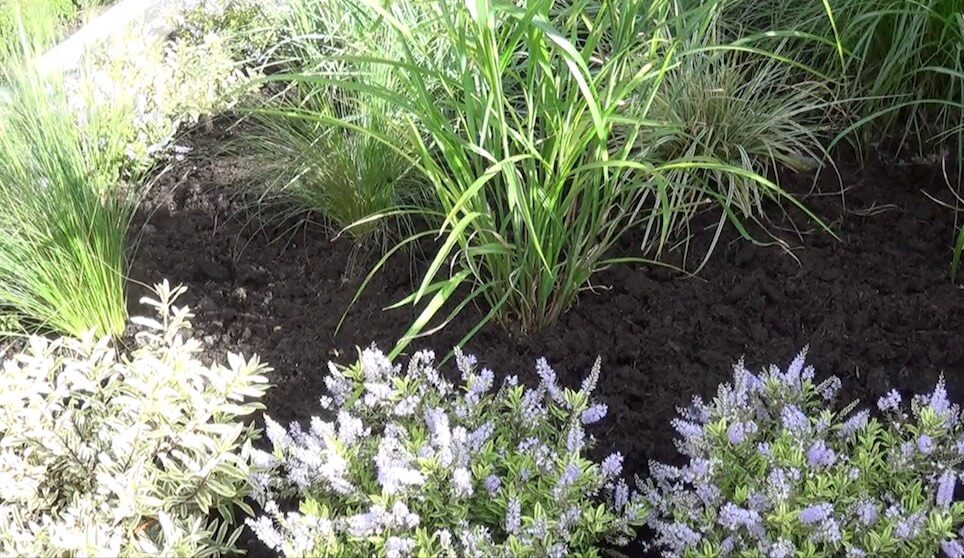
<point>414,465</point>
<point>775,468</point>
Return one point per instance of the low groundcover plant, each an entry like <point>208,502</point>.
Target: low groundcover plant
<point>776,469</point>
<point>111,454</point>
<point>415,465</point>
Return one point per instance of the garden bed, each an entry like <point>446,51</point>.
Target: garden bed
<point>876,308</point>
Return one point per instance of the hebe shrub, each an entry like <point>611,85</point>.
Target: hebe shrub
<point>110,455</point>
<point>412,464</point>
<point>776,469</point>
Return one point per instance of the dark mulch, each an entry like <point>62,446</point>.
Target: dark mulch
<point>877,308</point>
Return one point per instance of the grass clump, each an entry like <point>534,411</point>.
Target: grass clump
<point>743,110</point>
<point>906,61</point>
<point>64,214</point>
<point>526,146</point>
<point>343,174</point>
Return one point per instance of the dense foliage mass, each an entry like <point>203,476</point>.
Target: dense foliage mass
<point>415,465</point>
<point>776,469</point>
<point>104,453</point>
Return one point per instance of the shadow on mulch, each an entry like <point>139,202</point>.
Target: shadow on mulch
<point>876,308</point>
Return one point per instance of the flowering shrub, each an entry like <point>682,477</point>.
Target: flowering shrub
<point>775,469</point>
<point>414,465</point>
<point>109,455</point>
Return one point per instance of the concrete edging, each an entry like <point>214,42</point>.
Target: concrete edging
<point>146,16</point>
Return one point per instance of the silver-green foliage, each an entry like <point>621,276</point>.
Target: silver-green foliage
<point>751,112</point>
<point>414,465</point>
<point>108,453</point>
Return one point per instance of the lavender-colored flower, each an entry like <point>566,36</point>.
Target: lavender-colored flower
<point>866,511</point>
<point>782,549</point>
<point>698,470</point>
<point>953,549</point>
<point>925,444</point>
<point>569,475</point>
<point>828,531</point>
<point>513,516</point>
<point>545,458</point>
<point>677,537</point>
<point>708,493</point>
<point>938,400</point>
<point>548,377</point>
<point>815,513</point>
<point>480,435</point>
<point>909,527</point>
<point>889,402</point>
<point>780,482</point>
<point>959,446</point>
<point>538,529</point>
<point>465,363</point>
<point>349,428</point>
<point>732,517</point>
<point>829,388</point>
<point>688,430</point>
<point>590,381</point>
<point>527,444</point>
<point>444,537</point>
<point>763,448</point>
<point>474,541</point>
<point>907,450</point>
<point>402,518</point>
<point>757,501</point>
<point>368,523</point>
<point>406,407</point>
<point>620,495</point>
<point>568,518</point>
<point>266,532</point>
<point>492,484</point>
<point>558,550</point>
<point>697,411</point>
<point>854,552</point>
<point>462,482</point>
<point>594,414</point>
<point>738,432</point>
<point>399,547</point>
<point>662,472</point>
<point>792,376</point>
<point>794,420</point>
<point>612,465</point>
<point>393,463</point>
<point>479,385</point>
<point>854,424</point>
<point>531,408</point>
<point>945,489</point>
<point>819,456</point>
<point>575,439</point>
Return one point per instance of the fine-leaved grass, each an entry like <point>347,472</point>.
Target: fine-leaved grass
<point>747,110</point>
<point>63,214</point>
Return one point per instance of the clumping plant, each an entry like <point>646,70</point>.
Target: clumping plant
<point>776,469</point>
<point>415,465</point>
<point>107,454</point>
<point>64,210</point>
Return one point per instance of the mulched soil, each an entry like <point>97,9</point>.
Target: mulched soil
<point>876,308</point>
